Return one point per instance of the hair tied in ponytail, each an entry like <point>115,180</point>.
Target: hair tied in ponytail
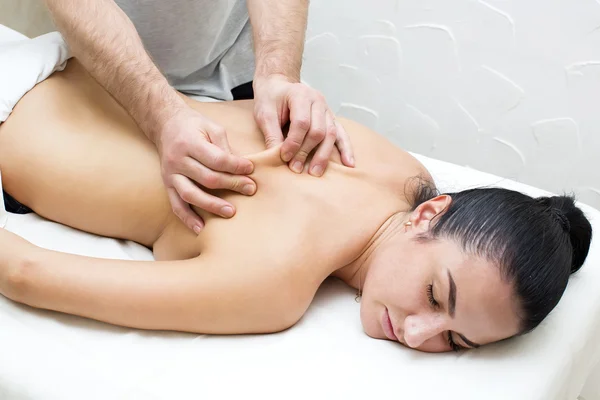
<point>561,218</point>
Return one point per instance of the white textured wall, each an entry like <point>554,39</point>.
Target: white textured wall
<point>510,87</point>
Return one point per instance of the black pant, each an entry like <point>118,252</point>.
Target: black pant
<point>243,92</point>
<point>14,206</point>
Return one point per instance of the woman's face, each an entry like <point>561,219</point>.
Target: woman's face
<point>431,296</point>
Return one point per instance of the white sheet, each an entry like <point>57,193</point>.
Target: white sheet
<point>47,355</point>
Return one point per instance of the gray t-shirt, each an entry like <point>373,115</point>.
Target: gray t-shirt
<point>203,47</point>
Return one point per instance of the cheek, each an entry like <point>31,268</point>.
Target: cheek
<point>388,281</point>
<point>401,287</point>
<point>408,295</point>
<point>368,319</point>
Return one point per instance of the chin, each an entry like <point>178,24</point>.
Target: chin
<point>370,322</point>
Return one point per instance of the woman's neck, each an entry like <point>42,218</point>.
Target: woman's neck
<point>355,273</point>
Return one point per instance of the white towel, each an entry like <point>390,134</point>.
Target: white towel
<point>25,62</point>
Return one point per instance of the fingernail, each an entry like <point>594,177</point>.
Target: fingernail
<point>297,167</point>
<point>352,161</point>
<point>249,169</point>
<point>197,229</point>
<point>317,170</point>
<point>248,189</point>
<point>287,157</point>
<point>227,211</point>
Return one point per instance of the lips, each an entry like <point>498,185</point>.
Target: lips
<point>388,328</point>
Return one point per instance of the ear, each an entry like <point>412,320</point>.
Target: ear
<point>427,211</point>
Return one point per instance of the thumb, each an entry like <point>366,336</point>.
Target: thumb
<point>270,127</point>
<point>218,137</point>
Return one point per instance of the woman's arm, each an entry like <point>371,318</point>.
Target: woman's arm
<point>202,295</point>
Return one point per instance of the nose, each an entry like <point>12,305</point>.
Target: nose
<point>420,328</point>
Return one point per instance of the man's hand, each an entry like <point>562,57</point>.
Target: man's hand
<point>193,148</point>
<point>279,100</point>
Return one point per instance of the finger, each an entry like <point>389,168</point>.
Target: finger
<point>300,111</point>
<point>344,145</point>
<point>315,135</point>
<point>217,180</point>
<point>216,159</point>
<point>195,196</point>
<point>184,212</point>
<point>323,153</point>
<point>218,136</point>
<point>268,122</point>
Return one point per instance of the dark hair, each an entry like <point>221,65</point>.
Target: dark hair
<point>536,242</point>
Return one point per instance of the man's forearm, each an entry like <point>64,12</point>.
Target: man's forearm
<point>278,29</point>
<point>105,41</point>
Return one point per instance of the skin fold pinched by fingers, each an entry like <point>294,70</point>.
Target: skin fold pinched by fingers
<point>195,155</point>
<point>310,124</point>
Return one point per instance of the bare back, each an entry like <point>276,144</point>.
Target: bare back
<point>73,155</point>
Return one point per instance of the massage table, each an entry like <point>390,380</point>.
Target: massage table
<point>49,355</point>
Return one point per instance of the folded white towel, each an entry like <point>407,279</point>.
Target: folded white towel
<point>26,62</point>
<point>7,35</point>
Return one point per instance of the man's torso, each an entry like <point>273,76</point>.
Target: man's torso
<point>204,47</point>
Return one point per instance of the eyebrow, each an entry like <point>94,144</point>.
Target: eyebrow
<point>452,309</point>
<point>451,295</point>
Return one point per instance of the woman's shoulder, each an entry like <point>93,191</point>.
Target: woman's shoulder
<point>379,152</point>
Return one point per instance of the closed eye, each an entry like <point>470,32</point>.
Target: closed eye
<point>453,345</point>
<point>430,296</point>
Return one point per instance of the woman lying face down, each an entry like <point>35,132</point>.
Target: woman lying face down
<point>436,272</point>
